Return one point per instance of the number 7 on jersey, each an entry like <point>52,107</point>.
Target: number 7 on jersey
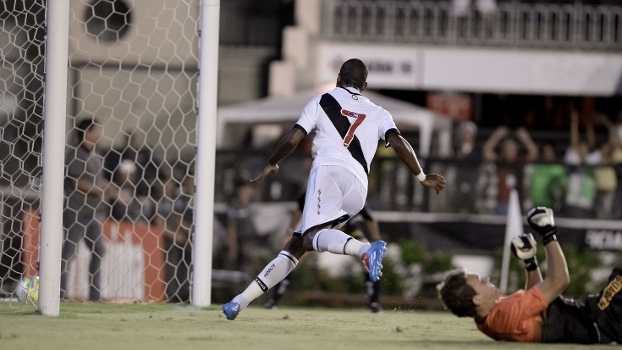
<point>350,134</point>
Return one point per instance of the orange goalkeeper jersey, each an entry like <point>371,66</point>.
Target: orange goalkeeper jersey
<point>516,317</point>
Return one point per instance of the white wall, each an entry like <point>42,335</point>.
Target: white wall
<point>476,69</point>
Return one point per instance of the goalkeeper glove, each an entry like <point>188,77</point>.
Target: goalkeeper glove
<point>524,248</point>
<point>541,220</point>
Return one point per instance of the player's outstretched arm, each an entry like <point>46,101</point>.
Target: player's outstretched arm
<point>557,278</point>
<point>287,144</point>
<point>407,155</point>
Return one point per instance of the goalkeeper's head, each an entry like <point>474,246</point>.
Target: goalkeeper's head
<point>468,295</point>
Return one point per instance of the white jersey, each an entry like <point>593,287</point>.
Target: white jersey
<point>348,127</point>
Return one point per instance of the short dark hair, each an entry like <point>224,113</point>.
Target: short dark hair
<point>83,126</point>
<point>353,72</point>
<point>457,295</point>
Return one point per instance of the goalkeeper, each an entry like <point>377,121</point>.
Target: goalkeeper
<point>539,313</point>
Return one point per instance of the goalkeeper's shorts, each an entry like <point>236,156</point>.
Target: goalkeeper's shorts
<point>599,320</point>
<point>567,321</point>
<point>606,309</point>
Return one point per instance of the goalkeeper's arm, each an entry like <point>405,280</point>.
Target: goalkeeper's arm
<point>557,278</point>
<point>524,247</point>
<point>533,277</point>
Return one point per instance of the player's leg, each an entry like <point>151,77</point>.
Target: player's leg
<point>74,232</point>
<point>273,273</point>
<point>373,293</point>
<point>372,288</point>
<point>94,241</point>
<point>334,194</point>
<point>279,291</point>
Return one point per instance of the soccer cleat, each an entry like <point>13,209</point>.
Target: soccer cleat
<point>372,259</point>
<point>231,310</point>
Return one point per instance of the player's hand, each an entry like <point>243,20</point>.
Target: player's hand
<point>524,246</point>
<point>434,181</point>
<point>267,170</point>
<point>542,221</point>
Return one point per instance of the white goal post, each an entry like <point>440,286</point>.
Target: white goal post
<point>206,153</point>
<point>53,166</point>
<point>53,162</point>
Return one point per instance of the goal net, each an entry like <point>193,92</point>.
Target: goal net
<point>130,150</point>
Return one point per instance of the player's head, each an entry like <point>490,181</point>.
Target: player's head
<point>467,294</point>
<point>88,131</point>
<point>244,190</point>
<point>509,149</point>
<point>468,131</point>
<point>353,73</point>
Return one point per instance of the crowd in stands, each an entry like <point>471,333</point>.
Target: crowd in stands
<point>583,182</point>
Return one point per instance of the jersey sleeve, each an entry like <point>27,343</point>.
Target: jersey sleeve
<point>534,302</point>
<point>514,313</point>
<point>309,115</point>
<point>386,124</point>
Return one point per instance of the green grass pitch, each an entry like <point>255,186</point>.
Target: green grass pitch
<point>165,326</point>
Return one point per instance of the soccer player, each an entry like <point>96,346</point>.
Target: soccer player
<point>348,127</point>
<point>539,313</point>
<point>356,228</point>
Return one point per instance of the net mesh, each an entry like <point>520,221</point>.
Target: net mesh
<point>130,149</point>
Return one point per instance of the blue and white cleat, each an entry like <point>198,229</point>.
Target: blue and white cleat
<point>372,259</point>
<point>231,310</point>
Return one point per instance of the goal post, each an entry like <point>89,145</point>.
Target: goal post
<point>130,70</point>
<point>54,119</point>
<point>206,152</point>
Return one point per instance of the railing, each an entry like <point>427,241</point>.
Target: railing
<point>551,26</point>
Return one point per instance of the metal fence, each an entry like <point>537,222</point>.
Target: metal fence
<point>551,26</point>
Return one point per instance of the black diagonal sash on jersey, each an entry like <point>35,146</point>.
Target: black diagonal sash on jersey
<point>332,108</point>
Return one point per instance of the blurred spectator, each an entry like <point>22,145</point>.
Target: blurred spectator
<point>125,207</point>
<point>580,160</point>
<point>546,180</point>
<point>504,167</point>
<point>245,244</point>
<point>174,216</point>
<point>85,189</point>
<point>469,157</point>
<point>605,175</point>
<point>134,148</point>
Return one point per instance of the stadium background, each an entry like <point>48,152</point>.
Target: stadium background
<point>133,66</point>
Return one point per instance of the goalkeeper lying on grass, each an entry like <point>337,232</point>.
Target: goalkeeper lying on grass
<point>539,313</point>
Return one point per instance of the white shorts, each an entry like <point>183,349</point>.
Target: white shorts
<point>334,195</point>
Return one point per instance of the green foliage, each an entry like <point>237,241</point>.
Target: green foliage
<point>580,264</point>
<point>437,262</point>
<point>412,252</point>
<point>390,282</point>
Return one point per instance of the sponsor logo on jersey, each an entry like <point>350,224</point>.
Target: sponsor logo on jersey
<point>351,114</point>
<point>609,292</point>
